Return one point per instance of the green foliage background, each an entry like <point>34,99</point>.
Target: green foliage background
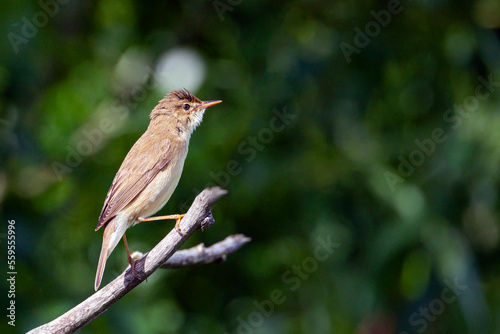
<point>405,231</point>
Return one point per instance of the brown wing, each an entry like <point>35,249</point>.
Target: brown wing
<point>144,161</point>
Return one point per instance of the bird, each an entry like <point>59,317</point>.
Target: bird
<point>150,172</point>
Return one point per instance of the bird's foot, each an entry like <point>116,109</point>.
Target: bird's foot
<point>132,260</point>
<point>178,219</point>
<point>178,225</point>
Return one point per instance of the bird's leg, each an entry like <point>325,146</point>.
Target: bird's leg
<point>130,259</point>
<point>178,219</point>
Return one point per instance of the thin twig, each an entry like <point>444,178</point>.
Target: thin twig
<point>202,255</point>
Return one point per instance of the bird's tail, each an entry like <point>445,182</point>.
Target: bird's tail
<point>100,267</point>
<point>113,231</point>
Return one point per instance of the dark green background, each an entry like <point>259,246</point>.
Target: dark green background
<point>392,155</point>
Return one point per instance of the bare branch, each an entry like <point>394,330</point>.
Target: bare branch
<point>198,215</point>
<point>201,255</point>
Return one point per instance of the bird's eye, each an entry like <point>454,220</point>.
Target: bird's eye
<point>186,106</point>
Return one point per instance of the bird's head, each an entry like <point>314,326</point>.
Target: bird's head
<point>182,107</point>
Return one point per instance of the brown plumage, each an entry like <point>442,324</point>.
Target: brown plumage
<point>150,171</point>
<point>132,177</point>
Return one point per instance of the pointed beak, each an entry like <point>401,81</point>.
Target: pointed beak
<point>207,104</point>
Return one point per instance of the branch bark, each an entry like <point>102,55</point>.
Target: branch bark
<point>198,216</point>
<point>200,254</point>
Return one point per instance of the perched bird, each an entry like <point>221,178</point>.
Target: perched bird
<point>150,172</point>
